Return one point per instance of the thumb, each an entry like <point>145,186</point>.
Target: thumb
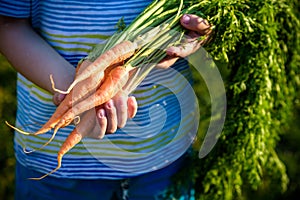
<point>195,23</point>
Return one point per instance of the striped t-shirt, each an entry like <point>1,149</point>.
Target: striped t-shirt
<point>163,127</point>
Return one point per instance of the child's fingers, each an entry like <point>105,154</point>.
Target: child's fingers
<point>58,98</point>
<point>126,107</point>
<point>120,103</point>
<point>111,114</point>
<point>167,62</point>
<point>195,23</point>
<point>197,27</point>
<point>100,127</point>
<point>98,124</point>
<point>185,49</point>
<point>132,107</point>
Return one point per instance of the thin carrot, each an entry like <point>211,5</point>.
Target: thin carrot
<point>118,53</point>
<point>85,88</point>
<point>87,126</point>
<point>78,93</point>
<point>113,83</point>
<point>70,99</point>
<point>82,129</point>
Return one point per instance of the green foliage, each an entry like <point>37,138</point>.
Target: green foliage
<point>7,112</point>
<point>121,25</point>
<point>259,42</point>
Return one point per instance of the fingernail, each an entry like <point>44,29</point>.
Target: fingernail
<point>101,113</point>
<point>186,19</point>
<point>60,97</point>
<point>109,104</point>
<point>57,98</point>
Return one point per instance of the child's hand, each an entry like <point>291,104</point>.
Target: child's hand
<point>58,98</point>
<point>198,27</point>
<point>113,115</point>
<point>109,116</point>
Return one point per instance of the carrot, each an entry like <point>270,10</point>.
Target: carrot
<point>113,83</point>
<point>81,91</point>
<point>82,129</point>
<point>117,53</point>
<point>78,93</point>
<point>88,126</point>
<point>71,99</point>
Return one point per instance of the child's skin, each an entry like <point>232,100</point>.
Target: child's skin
<point>35,59</point>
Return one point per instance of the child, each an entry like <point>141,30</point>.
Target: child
<point>43,37</point>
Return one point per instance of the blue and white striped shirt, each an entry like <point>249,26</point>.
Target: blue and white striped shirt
<point>163,128</point>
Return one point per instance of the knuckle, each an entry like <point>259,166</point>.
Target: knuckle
<point>122,106</point>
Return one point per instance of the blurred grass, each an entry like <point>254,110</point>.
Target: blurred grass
<point>7,112</point>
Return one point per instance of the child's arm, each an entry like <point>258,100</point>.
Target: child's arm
<point>33,57</point>
<point>30,55</point>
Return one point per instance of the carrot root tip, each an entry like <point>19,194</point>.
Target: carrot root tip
<point>50,140</point>
<point>27,152</point>
<point>17,129</point>
<point>40,178</point>
<point>59,158</point>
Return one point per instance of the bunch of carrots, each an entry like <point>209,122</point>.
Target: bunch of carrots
<point>118,65</point>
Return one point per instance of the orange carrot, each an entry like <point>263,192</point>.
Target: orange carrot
<point>92,74</point>
<point>69,101</point>
<point>113,83</point>
<point>78,93</point>
<point>119,52</point>
<point>82,129</point>
<point>88,125</point>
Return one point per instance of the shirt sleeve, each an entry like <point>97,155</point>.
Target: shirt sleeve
<point>15,8</point>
